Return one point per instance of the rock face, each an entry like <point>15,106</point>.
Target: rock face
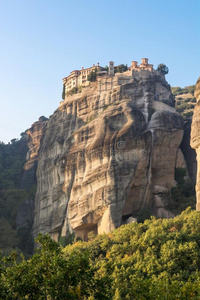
<point>188,152</point>
<point>107,153</point>
<point>34,136</point>
<point>195,139</point>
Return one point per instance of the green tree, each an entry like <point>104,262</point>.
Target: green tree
<point>163,69</point>
<point>121,68</point>
<point>92,76</point>
<point>49,274</point>
<point>63,92</point>
<point>12,160</point>
<point>158,259</point>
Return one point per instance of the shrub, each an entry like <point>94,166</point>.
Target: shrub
<point>163,69</point>
<point>121,68</point>
<point>183,195</point>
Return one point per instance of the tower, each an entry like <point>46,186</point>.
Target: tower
<point>144,61</point>
<point>134,65</point>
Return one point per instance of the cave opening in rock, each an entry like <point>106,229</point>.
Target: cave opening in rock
<point>83,230</point>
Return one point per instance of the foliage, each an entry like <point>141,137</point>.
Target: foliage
<point>186,90</point>
<point>49,274</point>
<point>66,240</point>
<point>163,69</point>
<point>12,160</point>
<point>74,90</point>
<point>63,92</point>
<point>144,213</point>
<point>183,195</point>
<point>11,164</point>
<point>121,68</point>
<point>92,76</point>
<point>8,236</point>
<point>184,104</point>
<point>157,259</point>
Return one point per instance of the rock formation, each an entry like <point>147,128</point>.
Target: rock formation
<point>195,139</point>
<point>107,153</point>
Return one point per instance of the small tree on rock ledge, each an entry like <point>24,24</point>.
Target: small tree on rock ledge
<point>163,69</point>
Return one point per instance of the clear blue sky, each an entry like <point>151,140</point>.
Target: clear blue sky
<point>43,40</point>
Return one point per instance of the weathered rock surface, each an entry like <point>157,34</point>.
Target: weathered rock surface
<point>34,136</point>
<point>195,139</point>
<point>188,152</point>
<point>107,153</point>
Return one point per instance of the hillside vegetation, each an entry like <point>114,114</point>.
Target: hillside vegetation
<point>12,160</point>
<point>157,259</point>
<point>185,100</point>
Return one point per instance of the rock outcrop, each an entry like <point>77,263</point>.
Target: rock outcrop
<point>107,153</point>
<point>195,139</point>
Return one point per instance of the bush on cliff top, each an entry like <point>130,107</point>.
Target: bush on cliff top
<point>163,69</point>
<point>186,90</point>
<point>157,259</point>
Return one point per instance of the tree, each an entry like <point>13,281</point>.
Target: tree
<point>121,68</point>
<point>63,92</point>
<point>49,274</point>
<point>92,76</point>
<point>163,69</point>
<point>157,259</point>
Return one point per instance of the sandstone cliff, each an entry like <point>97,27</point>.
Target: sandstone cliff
<point>195,139</point>
<point>107,153</point>
<point>34,137</point>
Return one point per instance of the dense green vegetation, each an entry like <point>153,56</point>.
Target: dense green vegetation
<point>121,68</point>
<point>186,90</point>
<point>157,259</point>
<point>12,160</point>
<point>74,90</point>
<point>185,100</point>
